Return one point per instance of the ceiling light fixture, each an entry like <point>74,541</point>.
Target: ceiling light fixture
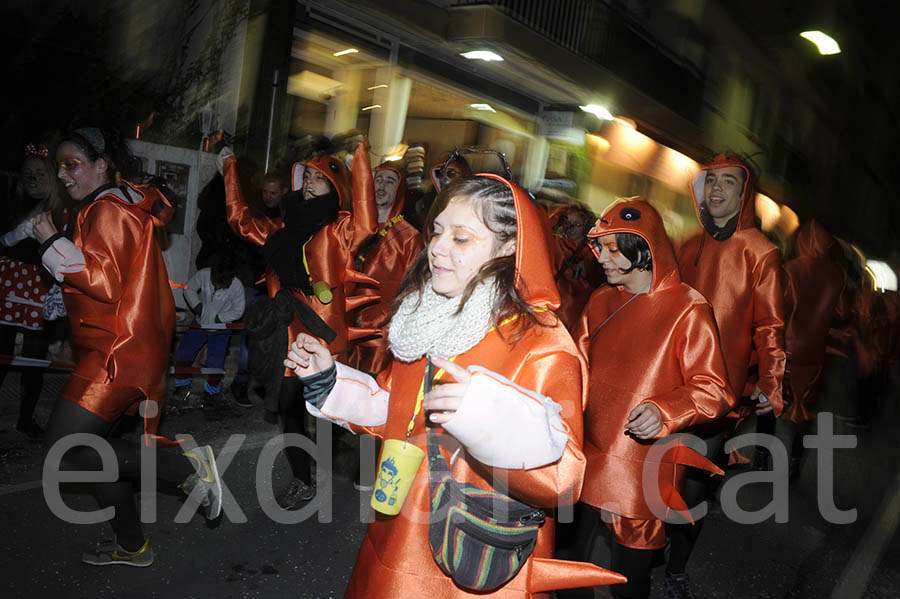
<point>485,55</point>
<point>601,112</point>
<point>347,51</point>
<point>824,42</point>
<point>484,107</point>
<point>371,107</point>
<point>379,86</point>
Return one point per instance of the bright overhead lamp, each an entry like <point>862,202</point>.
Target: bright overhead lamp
<point>485,55</point>
<point>601,112</point>
<point>343,52</point>
<point>824,42</point>
<point>371,107</point>
<point>884,275</point>
<point>379,86</point>
<point>484,107</point>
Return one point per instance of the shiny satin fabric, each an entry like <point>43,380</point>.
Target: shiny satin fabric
<point>329,252</point>
<point>395,558</point>
<point>672,358</point>
<point>741,277</point>
<point>396,250</point>
<point>120,307</point>
<point>813,286</point>
<point>636,534</point>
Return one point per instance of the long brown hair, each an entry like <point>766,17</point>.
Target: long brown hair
<point>493,202</point>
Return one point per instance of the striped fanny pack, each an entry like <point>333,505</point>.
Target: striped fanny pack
<point>481,539</point>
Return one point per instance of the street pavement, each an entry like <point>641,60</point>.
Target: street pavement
<point>804,557</point>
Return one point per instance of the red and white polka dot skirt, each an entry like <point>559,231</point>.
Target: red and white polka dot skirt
<point>23,288</point>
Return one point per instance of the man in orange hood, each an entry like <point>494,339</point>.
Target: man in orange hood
<point>814,286</point>
<point>385,257</point>
<point>669,376</point>
<point>739,271</point>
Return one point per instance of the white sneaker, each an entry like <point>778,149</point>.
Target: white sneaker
<point>207,478</point>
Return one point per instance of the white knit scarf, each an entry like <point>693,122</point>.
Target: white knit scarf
<point>431,327</point>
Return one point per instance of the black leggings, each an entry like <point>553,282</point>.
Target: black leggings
<point>295,419</point>
<point>698,486</point>
<point>34,345</point>
<point>171,466</point>
<point>635,565</point>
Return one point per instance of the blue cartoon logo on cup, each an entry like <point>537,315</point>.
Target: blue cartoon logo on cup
<point>388,480</point>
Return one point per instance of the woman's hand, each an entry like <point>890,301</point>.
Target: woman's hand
<point>644,422</point>
<point>445,399</point>
<point>308,356</point>
<point>44,228</point>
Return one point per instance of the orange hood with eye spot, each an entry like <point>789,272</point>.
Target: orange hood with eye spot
<point>333,169</point>
<point>636,215</point>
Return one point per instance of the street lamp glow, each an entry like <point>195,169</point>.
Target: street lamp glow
<point>824,42</point>
<point>601,112</point>
<point>485,55</point>
<point>484,107</point>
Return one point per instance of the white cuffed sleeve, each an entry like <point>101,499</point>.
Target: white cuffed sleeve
<point>21,232</point>
<point>506,426</point>
<point>355,399</point>
<point>63,257</point>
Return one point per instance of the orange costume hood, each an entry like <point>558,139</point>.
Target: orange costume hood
<point>333,169</point>
<point>460,165</point>
<point>635,215</point>
<point>400,194</point>
<point>811,240</point>
<point>673,360</point>
<point>747,215</point>
<point>534,266</point>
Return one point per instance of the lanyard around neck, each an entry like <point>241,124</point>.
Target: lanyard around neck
<point>642,291</point>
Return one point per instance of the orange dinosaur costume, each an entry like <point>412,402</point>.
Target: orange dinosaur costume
<point>395,558</point>
<point>813,287</point>
<point>672,359</point>
<point>740,275</point>
<point>328,254</point>
<point>385,257</point>
<point>117,295</point>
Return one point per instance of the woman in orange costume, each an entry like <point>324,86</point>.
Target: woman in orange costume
<point>669,376</point>
<point>119,302</point>
<point>309,253</point>
<point>386,256</point>
<point>481,294</point>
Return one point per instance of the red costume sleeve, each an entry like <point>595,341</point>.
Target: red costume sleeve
<point>768,326</point>
<point>254,230</point>
<point>113,234</point>
<point>705,395</point>
<point>363,221</point>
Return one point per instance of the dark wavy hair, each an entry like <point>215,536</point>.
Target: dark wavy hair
<point>493,202</point>
<point>636,250</point>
